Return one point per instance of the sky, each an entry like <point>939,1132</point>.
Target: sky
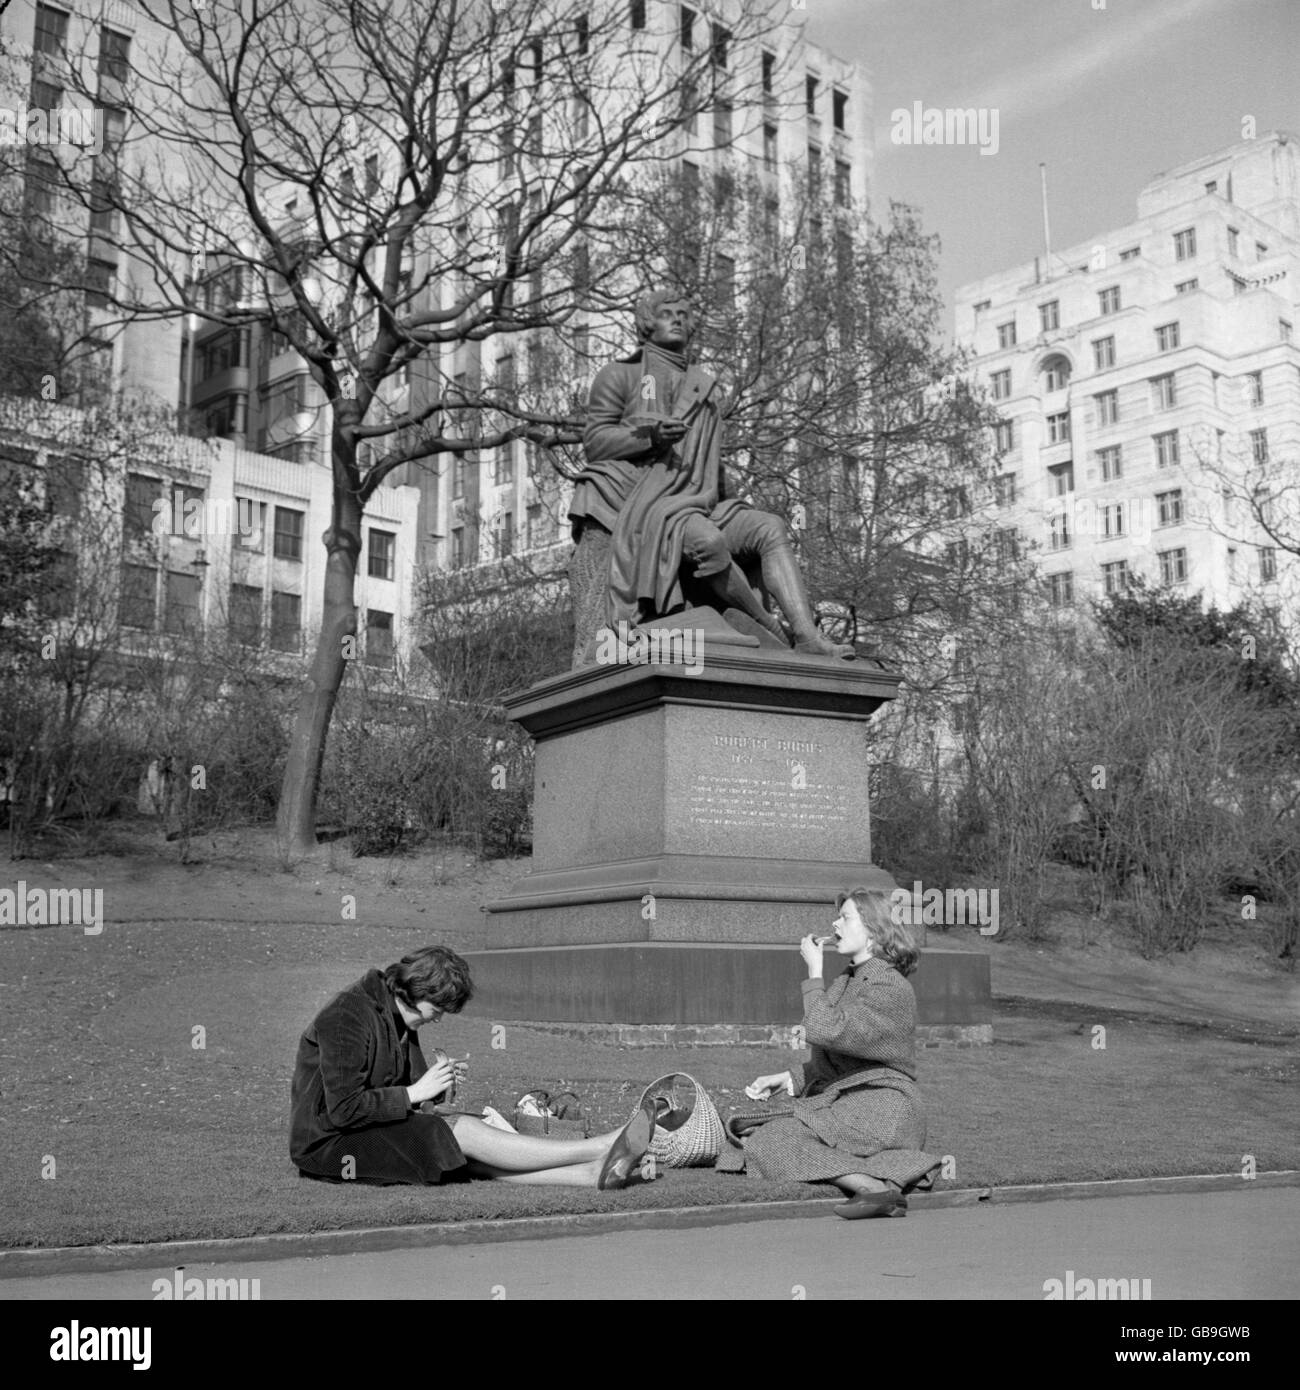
<point>1106,97</point>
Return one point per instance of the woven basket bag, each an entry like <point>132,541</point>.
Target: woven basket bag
<point>690,1134</point>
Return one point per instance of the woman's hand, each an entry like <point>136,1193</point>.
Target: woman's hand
<point>810,948</point>
<point>766,1086</point>
<point>432,1084</point>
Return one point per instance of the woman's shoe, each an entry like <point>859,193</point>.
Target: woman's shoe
<point>865,1204</point>
<point>629,1148</point>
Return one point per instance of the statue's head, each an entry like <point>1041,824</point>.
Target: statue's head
<point>665,318</point>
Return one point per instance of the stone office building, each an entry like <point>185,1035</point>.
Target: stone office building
<point>1134,371</point>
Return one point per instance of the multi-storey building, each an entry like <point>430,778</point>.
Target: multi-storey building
<point>811,124</point>
<point>247,552</point>
<point>1138,372</point>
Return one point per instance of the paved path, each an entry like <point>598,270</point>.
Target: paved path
<point>1211,1245</point>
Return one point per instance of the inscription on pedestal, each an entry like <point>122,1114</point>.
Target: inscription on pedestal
<point>767,784</point>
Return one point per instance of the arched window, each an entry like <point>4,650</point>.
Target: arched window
<point>1056,374</point>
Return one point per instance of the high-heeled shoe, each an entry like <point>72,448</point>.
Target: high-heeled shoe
<point>628,1149</point>
<point>868,1204</point>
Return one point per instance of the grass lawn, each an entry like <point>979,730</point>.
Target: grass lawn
<point>155,1139</point>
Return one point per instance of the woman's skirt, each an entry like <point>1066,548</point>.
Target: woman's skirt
<point>419,1149</point>
<point>877,1130</point>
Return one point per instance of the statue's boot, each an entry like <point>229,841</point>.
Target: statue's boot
<point>736,591</point>
<point>784,582</point>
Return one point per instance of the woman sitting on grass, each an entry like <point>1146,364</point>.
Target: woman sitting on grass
<point>362,1096</point>
<point>857,1120</point>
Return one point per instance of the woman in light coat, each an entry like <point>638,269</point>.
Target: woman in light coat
<point>857,1116</point>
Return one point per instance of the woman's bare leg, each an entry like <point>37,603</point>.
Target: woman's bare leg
<point>572,1175</point>
<point>526,1153</point>
<point>853,1183</point>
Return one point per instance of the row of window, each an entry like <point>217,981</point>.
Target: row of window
<point>540,528</point>
<point>1116,575</point>
<point>245,521</point>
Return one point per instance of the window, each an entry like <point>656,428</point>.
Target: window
<point>458,477</point>
<point>769,146</point>
<point>1130,253</point>
<point>1169,507</point>
<point>181,612</point>
<point>814,171</point>
<point>810,94</point>
<point>103,213</point>
<point>1232,242</point>
<point>957,502</point>
<point>839,108</point>
<point>1267,563</point>
<point>724,281</point>
<point>1049,315</point>
<point>1186,286</point>
<point>65,485</point>
<point>533,525</point>
<point>46,96</point>
<point>1167,337</point>
<point>688,27</point>
<point>1167,449</point>
<point>1173,566</point>
<point>1001,382</point>
<point>1259,446</point>
<point>1004,489</point>
<point>138,511</point>
<point>1112,519</point>
<point>100,276</point>
<point>226,350</point>
<point>1255,388</point>
<point>1284,330</point>
<point>983,307</point>
<point>1185,245</point>
<point>636,14</point>
<point>503,536</point>
<point>1212,186</point>
<point>1107,407</point>
<point>1115,577</point>
<point>1163,394</point>
<point>1058,374</point>
<point>1060,479</point>
<point>1007,334</point>
<point>183,505</point>
<point>1108,300</point>
<point>51,31</point>
<point>1103,353</point>
<point>288,534</point>
<point>285,397</point>
<point>722,123</point>
<point>1007,545</point>
<point>1004,436</point>
<point>1260,250</point>
<point>250,524</point>
<point>1059,531</point>
<point>1232,564</point>
<point>286,622</point>
<point>1111,463</point>
<point>719,44</point>
<point>1058,428</point>
<point>246,614</point>
<point>842,183</point>
<point>503,464</point>
<point>769,73</point>
<point>138,599</point>
<point>379,638</point>
<point>114,55</point>
<point>381,561</point>
<point>1060,588</point>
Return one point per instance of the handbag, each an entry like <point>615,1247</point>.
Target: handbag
<point>561,1117</point>
<point>738,1126</point>
<point>688,1129</point>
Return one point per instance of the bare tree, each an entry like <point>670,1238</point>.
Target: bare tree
<point>388,186</point>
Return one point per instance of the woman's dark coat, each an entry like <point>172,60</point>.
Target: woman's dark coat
<point>352,1119</point>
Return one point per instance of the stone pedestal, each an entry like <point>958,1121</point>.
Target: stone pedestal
<point>724,806</point>
<point>693,818</point>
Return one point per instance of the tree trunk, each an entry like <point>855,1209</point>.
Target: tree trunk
<point>296,815</point>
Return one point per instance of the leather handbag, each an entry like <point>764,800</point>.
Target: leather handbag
<point>561,1117</point>
<point>688,1129</point>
